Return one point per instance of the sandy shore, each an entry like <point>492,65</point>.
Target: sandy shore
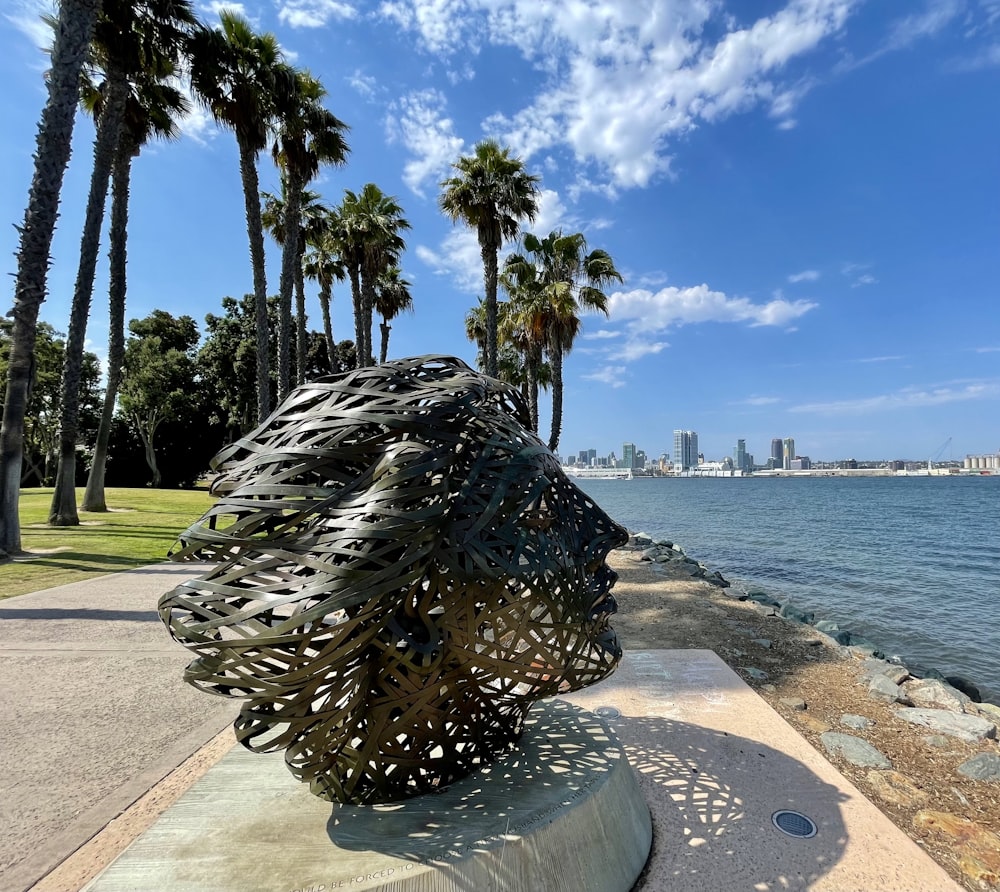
<point>662,609</point>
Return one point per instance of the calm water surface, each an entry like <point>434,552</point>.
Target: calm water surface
<point>913,563</point>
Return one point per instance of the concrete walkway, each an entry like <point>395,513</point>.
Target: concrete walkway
<point>95,712</point>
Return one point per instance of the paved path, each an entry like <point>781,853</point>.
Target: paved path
<point>94,710</point>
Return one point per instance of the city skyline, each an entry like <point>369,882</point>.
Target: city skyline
<point>800,195</point>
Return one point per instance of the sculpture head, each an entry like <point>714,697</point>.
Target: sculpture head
<point>403,569</point>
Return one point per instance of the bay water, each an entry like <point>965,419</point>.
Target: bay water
<point>912,563</point>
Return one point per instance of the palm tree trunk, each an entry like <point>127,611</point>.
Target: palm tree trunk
<point>300,318</point>
<point>255,234</point>
<point>93,497</point>
<point>359,317</point>
<point>556,356</point>
<point>324,303</point>
<point>367,303</point>
<point>289,254</point>
<point>489,255</point>
<point>532,361</point>
<point>63,509</point>
<point>52,150</point>
<point>385,328</point>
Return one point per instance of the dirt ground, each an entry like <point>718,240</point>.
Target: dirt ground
<point>659,610</point>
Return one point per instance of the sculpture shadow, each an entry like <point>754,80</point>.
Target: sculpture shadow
<point>704,789</point>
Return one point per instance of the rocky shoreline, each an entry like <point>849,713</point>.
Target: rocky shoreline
<point>920,745</point>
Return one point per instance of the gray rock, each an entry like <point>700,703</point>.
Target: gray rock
<point>970,728</point>
<point>855,750</point>
<point>648,554</point>
<point>935,694</point>
<point>796,615</point>
<point>762,642</point>
<point>857,722</point>
<point>938,741</point>
<point>665,543</point>
<point>767,610</point>
<point>827,626</point>
<point>881,688</point>
<point>754,672</point>
<point>759,597</point>
<point>990,711</point>
<point>895,673</point>
<point>662,557</point>
<point>984,767</point>
<point>961,683</point>
<point>796,703</point>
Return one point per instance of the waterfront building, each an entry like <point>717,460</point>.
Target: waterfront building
<point>742,460</point>
<point>800,463</point>
<point>628,455</point>
<point>775,461</point>
<point>787,453</point>
<point>685,450</point>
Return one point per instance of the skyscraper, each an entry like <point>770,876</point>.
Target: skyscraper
<point>776,453</point>
<point>787,452</point>
<point>685,450</point>
<point>740,455</point>
<point>628,455</point>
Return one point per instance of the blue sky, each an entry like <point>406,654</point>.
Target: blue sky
<point>803,196</point>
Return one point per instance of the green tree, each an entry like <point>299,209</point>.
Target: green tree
<point>131,39</point>
<point>569,278</point>
<point>392,297</point>
<point>75,28</point>
<point>240,76</point>
<point>227,362</point>
<point>152,110</point>
<point>159,381</point>
<point>370,243</point>
<point>307,136</point>
<point>491,193</point>
<point>41,422</point>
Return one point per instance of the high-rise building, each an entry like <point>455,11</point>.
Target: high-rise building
<point>628,455</point>
<point>740,455</point>
<point>776,453</point>
<point>685,450</point>
<point>787,452</point>
<point>591,457</point>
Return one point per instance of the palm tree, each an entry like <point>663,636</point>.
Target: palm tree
<point>323,264</point>
<point>130,39</point>
<point>77,20</point>
<point>570,279</point>
<point>491,193</point>
<point>523,323</point>
<point>307,135</point>
<point>311,211</point>
<point>392,297</point>
<point>152,110</point>
<point>240,76</point>
<point>368,235</point>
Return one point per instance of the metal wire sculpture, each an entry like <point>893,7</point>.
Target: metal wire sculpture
<point>403,569</point>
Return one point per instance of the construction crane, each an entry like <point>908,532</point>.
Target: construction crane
<point>937,455</point>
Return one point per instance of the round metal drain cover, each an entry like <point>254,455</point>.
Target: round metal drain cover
<point>608,712</point>
<point>793,823</point>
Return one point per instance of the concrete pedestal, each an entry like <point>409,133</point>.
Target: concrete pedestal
<point>563,813</point>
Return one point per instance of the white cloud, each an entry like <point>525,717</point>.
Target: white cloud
<point>215,7</point>
<point>313,13</point>
<point>987,349</point>
<point>601,335</point>
<point>419,121</point>
<point>364,84</point>
<point>636,348</point>
<point>908,398</point>
<point>926,23</point>
<point>807,275</point>
<point>866,279</point>
<point>759,401</point>
<point>680,306</point>
<point>610,374</point>
<point>25,15</point>
<point>623,79</point>
<point>880,359</point>
<point>457,257</point>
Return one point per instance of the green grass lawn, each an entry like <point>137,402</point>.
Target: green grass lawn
<point>138,530</point>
